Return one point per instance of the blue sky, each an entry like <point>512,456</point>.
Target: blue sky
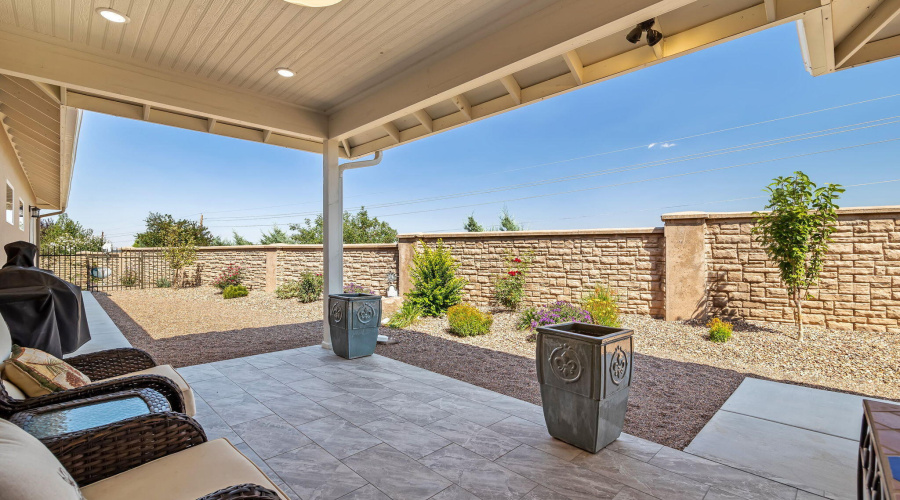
<point>126,168</point>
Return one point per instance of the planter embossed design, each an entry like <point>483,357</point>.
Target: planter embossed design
<point>584,372</point>
<point>354,319</point>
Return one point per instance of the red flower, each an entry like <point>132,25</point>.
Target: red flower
<point>513,273</point>
<point>517,260</point>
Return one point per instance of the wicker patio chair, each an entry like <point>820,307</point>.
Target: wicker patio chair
<point>102,367</point>
<point>139,458</point>
<point>112,370</point>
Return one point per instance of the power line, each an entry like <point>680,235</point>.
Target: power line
<point>557,162</point>
<point>672,176</point>
<point>596,173</point>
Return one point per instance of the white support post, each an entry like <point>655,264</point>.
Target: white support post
<point>333,238</point>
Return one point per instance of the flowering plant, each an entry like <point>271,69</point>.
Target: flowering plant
<point>230,276</point>
<point>354,288</point>
<point>509,288</point>
<point>557,312</point>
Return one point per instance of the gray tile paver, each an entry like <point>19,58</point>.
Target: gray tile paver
<point>270,436</point>
<point>486,479</point>
<point>338,436</point>
<point>458,432</point>
<point>395,474</point>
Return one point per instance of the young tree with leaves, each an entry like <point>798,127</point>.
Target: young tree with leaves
<point>472,225</point>
<point>796,231</point>
<point>180,251</point>
<point>276,235</point>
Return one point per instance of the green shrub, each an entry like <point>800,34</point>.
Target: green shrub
<point>603,306</point>
<point>408,314</point>
<point>232,275</point>
<point>466,320</point>
<point>436,287</point>
<point>130,278</point>
<point>163,283</point>
<point>526,317</point>
<point>509,287</point>
<point>234,291</point>
<point>307,289</point>
<point>719,331</point>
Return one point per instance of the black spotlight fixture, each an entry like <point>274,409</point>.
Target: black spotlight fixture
<point>653,36</point>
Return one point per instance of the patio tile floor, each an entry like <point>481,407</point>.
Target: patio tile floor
<point>402,432</point>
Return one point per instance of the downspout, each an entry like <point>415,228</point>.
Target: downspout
<point>384,339</point>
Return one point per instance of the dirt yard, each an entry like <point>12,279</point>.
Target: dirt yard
<point>681,378</point>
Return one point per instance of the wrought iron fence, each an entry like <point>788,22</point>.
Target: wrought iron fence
<point>110,269</point>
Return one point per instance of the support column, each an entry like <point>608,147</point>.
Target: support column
<point>686,268</point>
<point>333,237</point>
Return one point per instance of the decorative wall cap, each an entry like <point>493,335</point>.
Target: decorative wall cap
<point>533,234</point>
<point>276,246</point>
<point>887,209</point>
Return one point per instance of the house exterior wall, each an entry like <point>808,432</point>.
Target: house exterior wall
<point>11,172</point>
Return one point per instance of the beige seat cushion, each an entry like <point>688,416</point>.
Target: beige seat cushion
<point>186,475</point>
<point>13,391</point>
<point>167,371</point>
<point>29,471</point>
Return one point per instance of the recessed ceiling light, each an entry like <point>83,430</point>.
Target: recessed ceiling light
<point>285,72</point>
<point>113,15</point>
<point>313,3</point>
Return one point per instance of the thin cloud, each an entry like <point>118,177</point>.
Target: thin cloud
<point>668,145</point>
<point>651,146</point>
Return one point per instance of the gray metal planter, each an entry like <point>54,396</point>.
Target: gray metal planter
<point>585,372</point>
<point>354,319</point>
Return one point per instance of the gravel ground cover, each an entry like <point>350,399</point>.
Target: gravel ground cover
<point>681,378</point>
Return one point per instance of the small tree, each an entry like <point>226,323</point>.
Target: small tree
<point>436,287</point>
<point>276,235</point>
<point>180,252</point>
<point>508,222</point>
<point>472,225</point>
<point>158,226</point>
<point>358,228</point>
<point>65,235</point>
<point>796,232</point>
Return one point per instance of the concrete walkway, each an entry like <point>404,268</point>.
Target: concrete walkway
<point>104,333</point>
<point>807,438</point>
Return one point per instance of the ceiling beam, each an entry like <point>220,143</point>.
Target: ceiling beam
<point>424,118</point>
<point>747,21</point>
<point>512,86</point>
<point>44,59</point>
<point>463,105</point>
<point>392,131</point>
<point>550,32</point>
<point>770,11</point>
<point>886,11</point>
<point>575,66</point>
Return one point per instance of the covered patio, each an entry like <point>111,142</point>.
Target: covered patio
<point>359,78</point>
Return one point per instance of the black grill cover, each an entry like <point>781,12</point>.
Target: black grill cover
<point>41,310</point>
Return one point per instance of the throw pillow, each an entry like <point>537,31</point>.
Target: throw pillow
<point>37,373</point>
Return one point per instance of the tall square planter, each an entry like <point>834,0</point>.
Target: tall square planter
<point>354,319</point>
<point>585,373</point>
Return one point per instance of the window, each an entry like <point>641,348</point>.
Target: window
<point>10,196</point>
<point>21,215</point>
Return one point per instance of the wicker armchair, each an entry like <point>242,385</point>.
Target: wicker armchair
<point>100,453</point>
<point>99,366</point>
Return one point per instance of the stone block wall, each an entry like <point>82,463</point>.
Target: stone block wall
<point>566,264</point>
<point>366,265</point>
<point>860,285</point>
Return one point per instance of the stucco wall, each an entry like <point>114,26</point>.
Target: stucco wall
<point>11,171</point>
